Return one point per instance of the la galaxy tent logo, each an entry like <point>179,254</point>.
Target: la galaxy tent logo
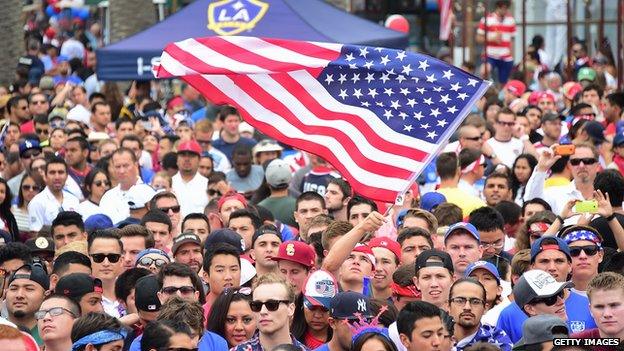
<point>230,17</point>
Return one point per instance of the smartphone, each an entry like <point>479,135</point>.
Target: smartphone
<point>565,149</point>
<point>588,206</point>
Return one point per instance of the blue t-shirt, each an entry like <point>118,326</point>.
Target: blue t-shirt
<point>323,347</point>
<point>208,342</point>
<point>577,308</point>
<point>228,148</point>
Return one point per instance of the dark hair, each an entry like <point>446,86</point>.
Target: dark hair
<point>123,150</point>
<point>219,249</point>
<point>40,119</point>
<point>226,111</point>
<point>160,195</point>
<point>447,214</point>
<point>218,314</point>
<point>15,251</point>
<point>99,103</point>
<point>181,270</point>
<point>616,99</point>
<point>74,307</point>
<point>255,220</point>
<point>359,342</point>
<point>510,211</point>
<point>242,150</point>
<point>595,87</point>
<point>82,142</point>
<point>286,347</point>
<point>467,280</point>
<point>103,234</point>
<point>62,262</point>
<point>67,218</point>
<point>36,177</point>
<point>157,216</point>
<point>310,196</point>
<point>96,95</point>
<point>122,120</point>
<point>499,175</point>
<point>523,239</point>
<point>195,215</point>
<point>358,200</point>
<point>127,280</point>
<point>615,263</point>
<point>90,178</point>
<point>610,181</point>
<point>412,313</point>
<point>515,183</point>
<point>344,186</point>
<point>131,230</point>
<point>132,137</point>
<point>157,334</point>
<point>538,201</point>
<point>93,322</point>
<point>13,101</point>
<point>5,206</point>
<point>446,165</point>
<point>486,219</point>
<point>468,156</point>
<point>216,177</point>
<point>55,160</point>
<point>407,233</point>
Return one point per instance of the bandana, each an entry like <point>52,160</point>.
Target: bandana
<point>582,234</point>
<point>99,338</point>
<point>471,167</point>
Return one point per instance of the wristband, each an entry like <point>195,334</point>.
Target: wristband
<point>560,219</point>
<point>610,218</point>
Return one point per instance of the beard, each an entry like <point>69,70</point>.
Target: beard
<point>19,314</point>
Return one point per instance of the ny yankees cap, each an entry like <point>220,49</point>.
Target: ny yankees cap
<point>345,305</point>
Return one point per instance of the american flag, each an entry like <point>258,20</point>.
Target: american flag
<point>446,18</point>
<point>377,115</point>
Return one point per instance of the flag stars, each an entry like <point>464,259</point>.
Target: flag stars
<point>384,60</point>
<point>379,103</point>
<point>411,102</point>
<point>423,65</point>
<point>356,78</point>
<point>388,114</point>
<point>418,115</point>
<point>343,93</point>
<point>342,78</point>
<point>462,96</point>
<point>388,91</point>
<point>357,93</point>
<point>372,92</point>
<point>403,115</point>
<point>384,77</point>
<point>365,104</point>
<point>329,78</point>
<point>395,104</point>
<point>349,57</point>
<point>444,99</point>
<point>452,109</point>
<point>420,90</point>
<point>401,55</point>
<point>435,112</point>
<point>407,127</point>
<point>448,74</point>
<point>455,87</point>
<point>432,134</point>
<point>428,101</point>
<point>404,91</point>
<point>364,52</point>
<point>353,66</point>
<point>369,77</point>
<point>442,123</point>
<point>437,89</point>
<point>390,71</point>
<point>400,78</point>
<point>407,69</point>
<point>431,78</point>
<point>472,82</point>
<point>368,64</point>
<point>425,126</point>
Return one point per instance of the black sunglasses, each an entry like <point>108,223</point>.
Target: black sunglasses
<point>477,138</point>
<point>27,187</point>
<point>101,182</point>
<point>99,257</point>
<point>148,261</point>
<point>586,161</point>
<point>549,301</point>
<point>185,290</point>
<point>271,305</point>
<point>590,250</point>
<point>175,209</point>
<point>213,192</point>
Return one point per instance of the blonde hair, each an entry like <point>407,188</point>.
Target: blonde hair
<point>605,281</point>
<point>274,278</point>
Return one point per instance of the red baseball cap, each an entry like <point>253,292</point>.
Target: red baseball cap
<point>190,146</point>
<point>405,291</point>
<point>365,249</point>
<point>175,101</point>
<point>546,95</point>
<point>534,97</point>
<point>515,87</point>
<point>386,243</point>
<point>231,196</point>
<point>296,251</point>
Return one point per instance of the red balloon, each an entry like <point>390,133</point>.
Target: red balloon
<point>398,23</point>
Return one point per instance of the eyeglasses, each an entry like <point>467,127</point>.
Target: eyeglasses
<point>148,261</point>
<point>27,187</point>
<point>184,290</point>
<point>548,301</point>
<point>175,209</point>
<point>495,245</point>
<point>31,154</point>
<point>54,312</point>
<point>99,257</point>
<point>590,250</point>
<point>586,161</point>
<point>271,305</point>
<point>101,182</point>
<point>506,124</point>
<point>461,301</point>
<point>214,192</point>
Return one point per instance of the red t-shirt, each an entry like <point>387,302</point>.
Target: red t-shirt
<point>311,342</point>
<point>592,334</point>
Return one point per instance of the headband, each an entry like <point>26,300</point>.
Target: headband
<point>582,234</point>
<point>471,167</point>
<point>99,338</point>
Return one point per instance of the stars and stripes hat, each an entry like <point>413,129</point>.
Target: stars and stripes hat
<point>319,289</point>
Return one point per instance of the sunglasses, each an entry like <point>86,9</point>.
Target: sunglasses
<point>549,301</point>
<point>31,155</point>
<point>148,261</point>
<point>271,305</point>
<point>38,102</point>
<point>27,187</point>
<point>99,257</point>
<point>42,131</point>
<point>199,141</point>
<point>213,192</point>
<point>175,209</point>
<point>586,161</point>
<point>102,182</point>
<point>54,312</point>
<point>184,290</point>
<point>477,138</point>
<point>590,250</point>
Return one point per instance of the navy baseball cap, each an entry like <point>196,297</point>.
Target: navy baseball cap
<point>463,226</point>
<point>429,201</point>
<point>549,243</point>
<point>29,144</point>
<point>36,273</point>
<point>146,294</point>
<point>443,260</point>
<point>483,265</point>
<point>227,236</point>
<point>618,139</point>
<point>345,305</point>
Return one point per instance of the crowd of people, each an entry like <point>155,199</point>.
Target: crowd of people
<point>134,221</point>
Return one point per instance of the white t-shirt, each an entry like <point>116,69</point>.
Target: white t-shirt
<point>507,151</point>
<point>191,196</point>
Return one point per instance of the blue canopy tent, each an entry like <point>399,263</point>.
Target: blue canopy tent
<point>314,20</point>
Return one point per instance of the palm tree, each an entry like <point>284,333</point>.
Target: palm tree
<point>11,37</point>
<point>129,17</point>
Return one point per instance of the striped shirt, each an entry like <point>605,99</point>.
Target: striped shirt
<point>500,50</point>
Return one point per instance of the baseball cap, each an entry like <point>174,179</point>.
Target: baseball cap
<point>483,265</point>
<point>319,289</point>
<point>57,112</point>
<point>296,251</point>
<point>227,236</point>
<point>37,274</point>
<point>463,226</point>
<point>386,243</point>
<point>190,146</point>
<point>405,291</point>
<point>586,73</point>
<point>151,251</point>
<point>541,328</point>
<point>245,127</point>
<point>79,114</point>
<point>595,130</point>
<point>444,260</point>
<point>429,201</point>
<point>46,83</point>
<point>346,305</point>
<point>231,196</point>
<point>265,230</point>
<point>552,243</point>
<point>97,222</point>
<point>515,87</point>
<point>40,244</point>
<point>184,238</point>
<point>534,97</point>
<point>146,297</point>
<point>28,144</point>
<point>76,285</point>
<point>267,145</point>
<point>175,101</point>
<point>570,89</point>
<point>534,284</point>
<point>550,117</point>
<point>139,195</point>
<point>618,139</point>
<point>278,174</point>
<point>546,95</point>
